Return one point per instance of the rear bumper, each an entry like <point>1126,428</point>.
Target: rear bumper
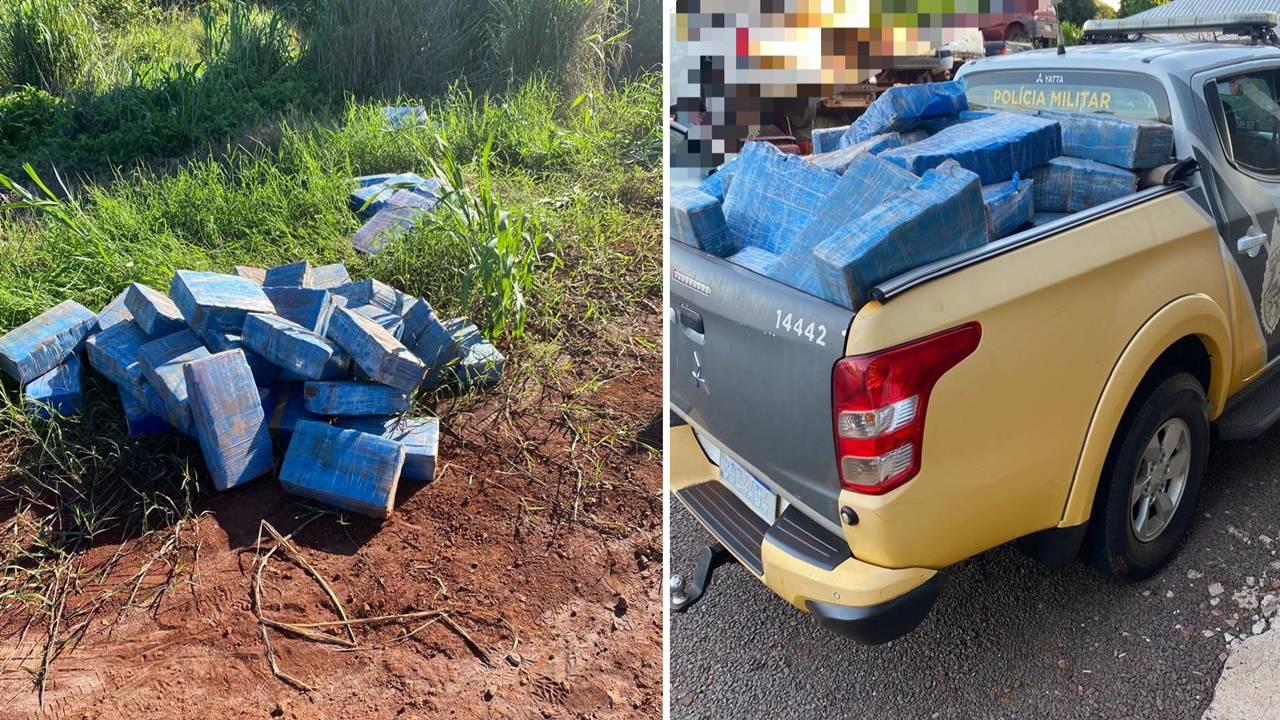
<point>883,622</point>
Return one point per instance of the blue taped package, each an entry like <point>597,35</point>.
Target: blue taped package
<point>308,307</point>
<point>114,312</point>
<point>1044,218</point>
<point>375,351</point>
<point>162,362</point>
<point>386,226</point>
<point>1010,205</point>
<point>214,301</point>
<point>994,147</point>
<point>140,422</point>
<point>717,183</point>
<point>867,182</point>
<point>324,277</point>
<point>418,317</point>
<point>756,260</point>
<point>941,215</point>
<point>395,191</point>
<point>374,292</point>
<point>295,274</point>
<point>827,140</point>
<point>419,436</point>
<point>907,107</point>
<point>55,391</point>
<point>436,345</point>
<point>839,160</point>
<point>288,345</point>
<point>478,363</point>
<point>402,116</point>
<point>229,420</point>
<point>289,408</point>
<point>697,219</point>
<point>154,312</point>
<point>1067,184</point>
<point>772,197</point>
<point>43,342</point>
<point>114,353</point>
<point>217,341</point>
<point>255,275</point>
<point>353,398</point>
<point>390,322</point>
<point>1130,144</point>
<point>346,468</point>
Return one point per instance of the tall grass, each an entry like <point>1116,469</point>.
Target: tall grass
<point>45,44</point>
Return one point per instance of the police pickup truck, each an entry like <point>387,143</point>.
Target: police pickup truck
<point>1058,387</point>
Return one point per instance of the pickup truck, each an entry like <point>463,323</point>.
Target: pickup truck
<point>1057,388</point>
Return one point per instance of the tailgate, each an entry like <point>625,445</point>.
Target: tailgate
<point>751,364</point>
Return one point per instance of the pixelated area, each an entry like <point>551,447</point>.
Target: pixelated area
<point>739,65</point>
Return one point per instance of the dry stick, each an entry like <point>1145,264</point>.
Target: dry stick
<point>257,609</point>
<point>55,616</point>
<point>301,560</point>
<point>475,647</point>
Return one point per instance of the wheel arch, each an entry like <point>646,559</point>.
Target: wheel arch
<point>1190,332</point>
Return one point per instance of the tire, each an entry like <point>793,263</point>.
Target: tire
<point>1127,544</point>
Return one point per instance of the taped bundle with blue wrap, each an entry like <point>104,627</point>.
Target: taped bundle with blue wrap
<point>994,147</point>
<point>1010,205</point>
<point>869,181</point>
<point>1066,184</point>
<point>907,107</point>
<point>772,197</point>
<point>827,140</point>
<point>756,260</point>
<point>941,215</point>
<point>697,219</point>
<point>717,183</point>
<point>1129,144</point>
<point>839,160</point>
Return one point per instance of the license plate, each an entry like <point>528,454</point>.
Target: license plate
<point>751,491</point>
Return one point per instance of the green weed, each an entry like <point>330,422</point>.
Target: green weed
<point>45,44</point>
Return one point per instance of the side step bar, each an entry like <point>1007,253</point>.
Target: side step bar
<point>1253,412</point>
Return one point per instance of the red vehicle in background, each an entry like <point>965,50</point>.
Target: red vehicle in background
<point>1038,27</point>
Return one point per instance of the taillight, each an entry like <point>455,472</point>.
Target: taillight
<point>879,403</point>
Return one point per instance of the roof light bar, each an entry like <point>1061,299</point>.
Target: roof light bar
<point>1246,23</point>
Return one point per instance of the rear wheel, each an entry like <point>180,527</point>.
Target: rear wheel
<point>1151,479</point>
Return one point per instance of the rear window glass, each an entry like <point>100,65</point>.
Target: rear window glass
<point>1126,95</point>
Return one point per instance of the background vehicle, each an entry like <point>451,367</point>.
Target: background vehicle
<point>1038,27</point>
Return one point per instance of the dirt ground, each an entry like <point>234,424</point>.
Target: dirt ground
<point>551,570</point>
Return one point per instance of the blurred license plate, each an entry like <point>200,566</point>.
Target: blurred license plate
<point>759,498</point>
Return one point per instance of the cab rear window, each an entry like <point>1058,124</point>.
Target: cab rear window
<point>1126,95</point>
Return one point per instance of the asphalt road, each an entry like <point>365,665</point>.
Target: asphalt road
<point>1008,638</point>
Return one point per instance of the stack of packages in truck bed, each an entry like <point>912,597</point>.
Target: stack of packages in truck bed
<point>295,357</point>
<point>917,178</point>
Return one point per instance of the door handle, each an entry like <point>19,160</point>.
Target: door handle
<point>1251,243</point>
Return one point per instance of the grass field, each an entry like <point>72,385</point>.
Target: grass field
<point>206,135</point>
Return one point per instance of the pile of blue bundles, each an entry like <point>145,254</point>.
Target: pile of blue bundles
<point>839,160</point>
<point>941,215</point>
<point>907,107</point>
<point>697,219</point>
<point>1010,205</point>
<point>1129,144</point>
<point>994,147</point>
<point>869,181</point>
<point>1067,184</point>
<point>772,197</point>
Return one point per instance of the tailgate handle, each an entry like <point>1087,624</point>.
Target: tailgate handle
<point>691,318</point>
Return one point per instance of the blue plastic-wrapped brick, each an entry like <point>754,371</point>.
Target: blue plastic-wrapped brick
<point>229,420</point>
<point>55,391</point>
<point>419,436</point>
<point>217,341</point>
<point>478,364</point>
<point>353,398</point>
<point>42,343</point>
<point>288,345</point>
<point>374,292</point>
<point>697,219</point>
<point>867,182</point>
<point>417,318</point>
<point>390,322</point>
<point>717,183</point>
<point>162,362</point>
<point>436,346</point>
<point>839,160</point>
<point>1010,205</point>
<point>295,274</point>
<point>214,301</point>
<point>994,147</point>
<point>756,260</point>
<point>325,277</point>
<point>1130,144</point>
<point>140,422</point>
<point>403,190</point>
<point>114,312</point>
<point>375,351</point>
<point>386,226</point>
<point>827,140</point>
<point>402,116</point>
<point>941,215</point>
<point>288,408</point>
<point>308,307</point>
<point>1070,185</point>
<point>906,107</point>
<point>154,312</point>
<point>255,275</point>
<point>349,469</point>
<point>772,197</point>
<point>114,353</point>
